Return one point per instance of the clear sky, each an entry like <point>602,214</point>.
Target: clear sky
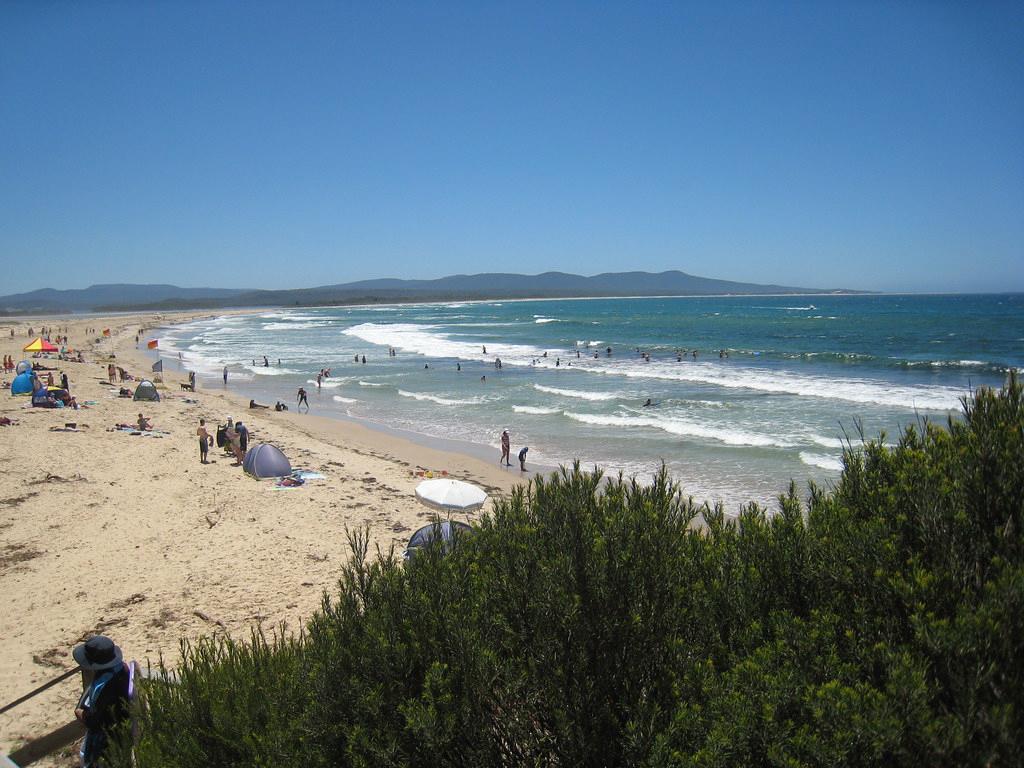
<point>871,145</point>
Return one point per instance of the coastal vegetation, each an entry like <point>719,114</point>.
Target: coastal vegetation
<point>596,621</point>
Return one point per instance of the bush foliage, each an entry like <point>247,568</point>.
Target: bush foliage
<point>591,622</point>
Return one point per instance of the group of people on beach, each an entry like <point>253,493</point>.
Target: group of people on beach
<point>506,452</point>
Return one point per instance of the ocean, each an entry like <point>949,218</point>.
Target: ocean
<point>779,383</point>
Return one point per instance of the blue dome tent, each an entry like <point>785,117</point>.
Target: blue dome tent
<point>146,391</point>
<point>265,460</point>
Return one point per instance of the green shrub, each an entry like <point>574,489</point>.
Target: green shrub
<point>591,621</point>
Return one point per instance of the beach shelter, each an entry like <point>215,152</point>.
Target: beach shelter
<point>444,532</point>
<point>39,344</point>
<point>23,366</point>
<point>450,495</point>
<point>22,384</point>
<point>146,391</point>
<point>265,460</point>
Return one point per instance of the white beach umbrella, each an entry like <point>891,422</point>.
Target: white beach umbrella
<point>450,495</point>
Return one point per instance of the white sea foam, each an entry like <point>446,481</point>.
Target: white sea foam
<point>371,384</point>
<point>683,428</point>
<point>294,317</point>
<point>534,410</point>
<point>260,370</point>
<point>788,383</point>
<point>294,326</point>
<point>340,399</point>
<point>325,384</point>
<point>438,400</point>
<point>424,340</point>
<point>821,461</point>
<point>827,442</point>
<point>578,393</point>
<point>542,320</point>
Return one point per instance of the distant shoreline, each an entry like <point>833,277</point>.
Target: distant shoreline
<point>233,309</point>
<point>230,308</point>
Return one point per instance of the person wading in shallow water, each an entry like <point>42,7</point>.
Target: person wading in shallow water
<point>302,400</point>
<point>505,449</point>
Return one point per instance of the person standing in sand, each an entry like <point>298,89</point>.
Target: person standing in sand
<point>505,449</point>
<point>522,459</point>
<point>232,443</point>
<point>104,703</point>
<point>225,375</point>
<point>204,441</point>
<point>302,400</point>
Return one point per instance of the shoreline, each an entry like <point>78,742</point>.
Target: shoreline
<point>227,310</point>
<point>130,536</point>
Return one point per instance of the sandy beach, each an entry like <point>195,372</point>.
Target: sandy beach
<point>130,536</point>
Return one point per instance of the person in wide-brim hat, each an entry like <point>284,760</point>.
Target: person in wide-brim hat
<point>97,654</point>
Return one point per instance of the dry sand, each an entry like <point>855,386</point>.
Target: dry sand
<point>130,536</point>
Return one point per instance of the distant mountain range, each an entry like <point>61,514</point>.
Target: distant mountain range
<point>113,297</point>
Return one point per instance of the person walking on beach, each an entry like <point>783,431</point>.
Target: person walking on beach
<point>522,459</point>
<point>225,375</point>
<point>505,449</point>
<point>204,441</point>
<point>302,400</point>
<point>104,703</point>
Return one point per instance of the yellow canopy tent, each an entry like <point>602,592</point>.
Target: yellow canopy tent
<point>39,344</point>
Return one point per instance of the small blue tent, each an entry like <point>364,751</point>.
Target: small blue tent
<point>265,460</point>
<point>22,384</point>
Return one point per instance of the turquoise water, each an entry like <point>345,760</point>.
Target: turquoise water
<point>777,385</point>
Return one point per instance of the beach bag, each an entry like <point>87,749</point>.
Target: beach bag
<point>221,436</point>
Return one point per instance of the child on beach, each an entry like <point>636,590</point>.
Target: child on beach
<point>204,441</point>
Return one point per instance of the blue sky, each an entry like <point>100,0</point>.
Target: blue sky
<point>861,144</point>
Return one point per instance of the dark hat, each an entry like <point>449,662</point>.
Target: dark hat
<point>97,653</point>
